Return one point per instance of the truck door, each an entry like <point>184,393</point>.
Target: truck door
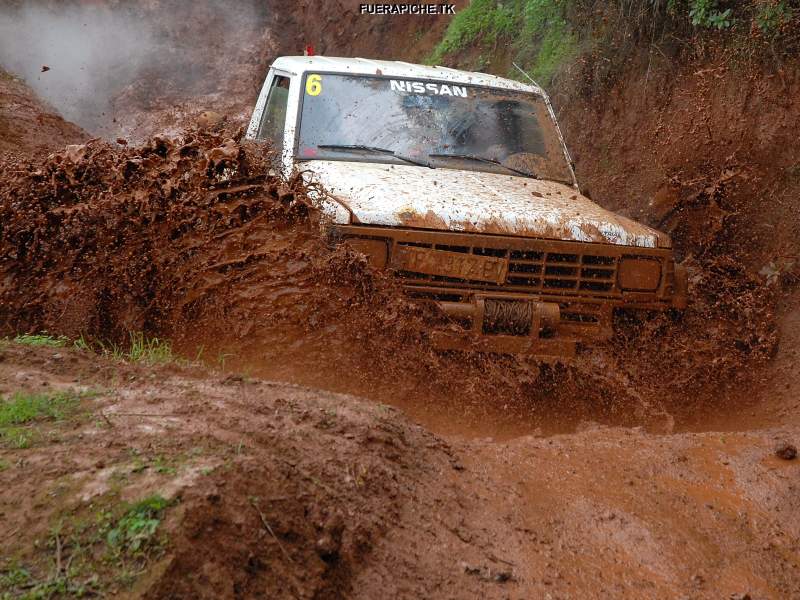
<point>270,117</point>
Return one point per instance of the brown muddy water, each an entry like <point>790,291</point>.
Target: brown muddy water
<point>191,240</point>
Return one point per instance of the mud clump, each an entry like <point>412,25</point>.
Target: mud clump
<point>786,451</point>
<point>97,238</point>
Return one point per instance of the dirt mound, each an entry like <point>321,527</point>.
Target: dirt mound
<point>276,491</point>
<point>265,489</point>
<point>27,125</point>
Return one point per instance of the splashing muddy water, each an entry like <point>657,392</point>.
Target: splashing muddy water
<point>192,239</point>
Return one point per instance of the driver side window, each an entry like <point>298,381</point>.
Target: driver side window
<point>274,117</point>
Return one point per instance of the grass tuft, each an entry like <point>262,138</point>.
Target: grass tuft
<point>16,438</point>
<point>41,339</point>
<point>143,349</point>
<point>24,408</point>
<point>149,350</point>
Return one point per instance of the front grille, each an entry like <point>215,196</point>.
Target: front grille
<point>534,271</point>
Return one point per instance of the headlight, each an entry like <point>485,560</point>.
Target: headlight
<point>639,274</point>
<point>377,251</point>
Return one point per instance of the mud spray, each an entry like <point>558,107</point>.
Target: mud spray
<point>191,239</point>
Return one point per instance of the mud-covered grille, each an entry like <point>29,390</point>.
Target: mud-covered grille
<point>534,271</point>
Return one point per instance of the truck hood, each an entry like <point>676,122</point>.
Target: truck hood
<point>469,201</point>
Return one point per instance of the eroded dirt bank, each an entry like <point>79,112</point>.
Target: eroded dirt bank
<point>29,126</point>
<point>285,491</point>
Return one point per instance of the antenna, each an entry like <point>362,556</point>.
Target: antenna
<point>526,75</point>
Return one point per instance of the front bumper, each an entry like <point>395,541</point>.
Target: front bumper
<point>522,295</point>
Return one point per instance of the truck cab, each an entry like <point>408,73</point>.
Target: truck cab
<point>461,184</point>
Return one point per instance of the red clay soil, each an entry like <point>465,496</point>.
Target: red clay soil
<point>282,491</point>
<point>705,150</point>
<point>28,126</point>
<point>337,28</point>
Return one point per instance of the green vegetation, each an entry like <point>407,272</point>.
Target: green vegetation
<point>542,37</point>
<point>149,350</point>
<point>91,554</point>
<point>767,15</point>
<point>140,349</point>
<point>14,576</point>
<point>23,409</point>
<point>17,438</point>
<point>41,339</point>
<point>82,344</point>
<point>772,16</point>
<point>706,13</point>
<point>134,533</point>
<point>486,20</point>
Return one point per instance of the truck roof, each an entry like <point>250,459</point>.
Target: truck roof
<point>297,65</point>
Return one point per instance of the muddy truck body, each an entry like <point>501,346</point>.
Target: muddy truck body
<point>461,184</point>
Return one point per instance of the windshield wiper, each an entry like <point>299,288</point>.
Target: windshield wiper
<point>377,150</point>
<point>484,159</point>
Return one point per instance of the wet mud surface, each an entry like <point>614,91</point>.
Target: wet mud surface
<point>294,492</point>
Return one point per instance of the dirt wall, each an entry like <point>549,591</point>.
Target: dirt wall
<point>27,125</point>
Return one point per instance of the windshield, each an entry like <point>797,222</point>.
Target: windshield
<point>437,124</point>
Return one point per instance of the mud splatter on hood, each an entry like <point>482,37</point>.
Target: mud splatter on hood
<point>399,195</point>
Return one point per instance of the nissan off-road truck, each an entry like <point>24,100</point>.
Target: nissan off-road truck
<point>461,184</point>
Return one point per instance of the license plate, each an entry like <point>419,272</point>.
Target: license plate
<point>450,264</point>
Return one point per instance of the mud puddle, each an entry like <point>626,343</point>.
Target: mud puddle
<point>454,412</point>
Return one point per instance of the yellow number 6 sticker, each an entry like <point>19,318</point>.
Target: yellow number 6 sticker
<point>314,85</point>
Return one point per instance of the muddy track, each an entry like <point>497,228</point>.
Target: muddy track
<point>291,492</point>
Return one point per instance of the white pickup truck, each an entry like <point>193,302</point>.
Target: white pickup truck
<point>461,184</point>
